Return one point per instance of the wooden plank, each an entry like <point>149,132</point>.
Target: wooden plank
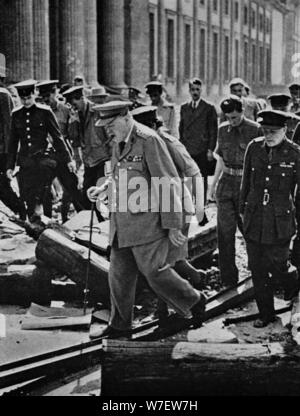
<point>70,258</point>
<point>195,369</point>
<point>37,324</point>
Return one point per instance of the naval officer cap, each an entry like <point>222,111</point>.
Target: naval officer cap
<point>237,81</point>
<point>25,88</point>
<point>279,100</point>
<point>109,111</point>
<point>145,114</point>
<point>46,87</point>
<point>273,119</point>
<point>73,92</point>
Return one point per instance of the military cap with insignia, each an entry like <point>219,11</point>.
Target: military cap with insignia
<point>109,111</point>
<point>154,86</point>
<point>273,118</point>
<point>73,92</point>
<point>279,100</point>
<point>47,87</point>
<point>232,103</point>
<point>145,115</point>
<point>26,88</point>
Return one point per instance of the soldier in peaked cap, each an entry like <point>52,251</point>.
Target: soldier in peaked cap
<point>280,102</point>
<point>295,94</point>
<point>7,195</point>
<point>92,140</point>
<point>270,208</point>
<point>32,124</point>
<point>140,234</point>
<point>165,110</point>
<point>48,93</point>
<point>238,87</point>
<point>234,135</point>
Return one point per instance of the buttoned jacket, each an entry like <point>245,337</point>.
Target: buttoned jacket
<point>29,134</point>
<point>198,128</point>
<point>139,214</point>
<point>268,199</point>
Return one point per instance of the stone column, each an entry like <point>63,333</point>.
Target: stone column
<point>161,38</point>
<point>196,42</point>
<point>180,48</point>
<point>41,39</point>
<point>112,43</point>
<point>16,24</point>
<point>72,39</point>
<point>91,43</point>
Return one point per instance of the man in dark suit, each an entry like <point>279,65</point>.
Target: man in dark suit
<point>198,129</point>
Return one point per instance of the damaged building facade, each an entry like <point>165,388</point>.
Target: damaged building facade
<point>127,42</point>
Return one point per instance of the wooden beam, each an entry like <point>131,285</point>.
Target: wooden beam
<point>193,369</point>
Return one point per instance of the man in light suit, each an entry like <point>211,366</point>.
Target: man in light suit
<point>198,129</point>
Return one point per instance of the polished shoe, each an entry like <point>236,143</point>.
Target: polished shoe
<point>262,323</point>
<point>198,311</point>
<point>204,222</point>
<point>99,331</point>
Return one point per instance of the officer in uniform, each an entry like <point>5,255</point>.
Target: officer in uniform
<point>190,174</point>
<point>32,124</point>
<point>48,93</point>
<point>7,195</point>
<point>280,102</point>
<point>165,110</point>
<point>267,203</point>
<point>140,233</point>
<point>233,139</point>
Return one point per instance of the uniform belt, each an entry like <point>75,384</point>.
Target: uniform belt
<point>233,172</point>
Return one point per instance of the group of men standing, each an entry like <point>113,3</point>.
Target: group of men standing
<point>256,182</point>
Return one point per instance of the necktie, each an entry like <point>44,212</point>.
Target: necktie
<point>121,146</point>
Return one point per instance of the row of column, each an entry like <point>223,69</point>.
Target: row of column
<point>25,39</point>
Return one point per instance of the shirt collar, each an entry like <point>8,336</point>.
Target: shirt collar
<point>197,102</point>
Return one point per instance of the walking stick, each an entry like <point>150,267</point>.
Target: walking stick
<point>86,290</point>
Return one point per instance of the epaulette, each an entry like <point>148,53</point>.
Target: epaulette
<point>15,110</point>
<point>42,106</point>
<point>144,132</point>
<point>224,124</point>
<point>293,145</point>
<point>167,136</point>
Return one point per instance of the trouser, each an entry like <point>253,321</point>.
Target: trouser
<point>150,260</point>
<point>35,178</point>
<point>266,260</point>
<point>296,252</point>
<point>228,219</point>
<point>7,194</point>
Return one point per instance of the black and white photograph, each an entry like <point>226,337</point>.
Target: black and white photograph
<point>149,201</point>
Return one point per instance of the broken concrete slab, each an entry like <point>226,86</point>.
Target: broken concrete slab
<point>214,332</point>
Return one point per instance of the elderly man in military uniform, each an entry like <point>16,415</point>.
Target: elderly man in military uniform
<point>165,110</point>
<point>32,124</point>
<point>270,207</point>
<point>233,139</point>
<point>193,191</point>
<point>140,232</point>
<point>49,95</point>
<point>7,195</point>
<point>92,140</point>
<point>280,102</point>
<point>198,130</point>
